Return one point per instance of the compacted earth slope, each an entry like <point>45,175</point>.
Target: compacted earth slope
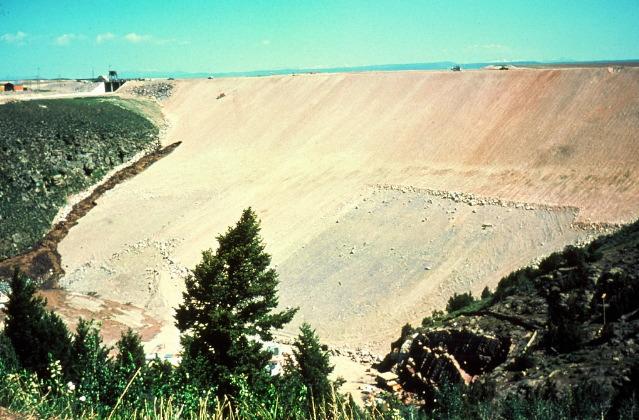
<point>380,194</point>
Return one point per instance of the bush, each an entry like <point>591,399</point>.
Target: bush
<point>8,358</point>
<point>313,363</point>
<point>434,319</point>
<point>517,282</point>
<point>486,293</point>
<point>130,355</point>
<point>551,262</point>
<point>37,335</point>
<point>91,369</point>
<point>457,302</point>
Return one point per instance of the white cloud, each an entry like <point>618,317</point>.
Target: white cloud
<point>136,38</point>
<point>107,36</point>
<point>65,39</point>
<point>17,38</point>
<point>266,42</point>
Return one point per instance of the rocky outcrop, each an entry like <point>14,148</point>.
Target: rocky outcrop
<point>426,359</point>
<point>570,325</point>
<point>50,149</point>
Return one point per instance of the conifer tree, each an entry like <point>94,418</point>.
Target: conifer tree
<point>8,358</point>
<point>313,363</point>
<point>130,352</point>
<point>129,360</point>
<point>228,305</point>
<point>90,366</point>
<point>37,335</point>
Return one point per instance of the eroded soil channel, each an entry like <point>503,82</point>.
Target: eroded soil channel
<point>42,261</point>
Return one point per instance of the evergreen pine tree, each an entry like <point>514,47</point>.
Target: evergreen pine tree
<point>130,355</point>
<point>91,368</point>
<point>313,363</point>
<point>37,335</point>
<point>227,305</point>
<point>486,293</point>
<point>8,358</point>
<point>129,359</point>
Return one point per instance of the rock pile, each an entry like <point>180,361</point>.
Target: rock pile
<point>472,199</point>
<point>158,90</point>
<point>357,355</point>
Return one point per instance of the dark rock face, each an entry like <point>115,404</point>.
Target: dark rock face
<point>570,325</point>
<point>431,367</point>
<point>475,353</point>
<point>50,149</point>
<point>447,355</point>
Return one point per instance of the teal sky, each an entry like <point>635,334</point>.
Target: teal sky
<point>70,38</point>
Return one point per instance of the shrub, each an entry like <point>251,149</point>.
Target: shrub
<point>130,355</point>
<point>313,363</point>
<point>37,335</point>
<point>91,368</point>
<point>457,302</point>
<point>519,281</point>
<point>486,293</point>
<point>8,358</point>
<point>551,262</point>
<point>435,318</point>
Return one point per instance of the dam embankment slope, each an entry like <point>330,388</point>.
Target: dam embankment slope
<point>347,172</point>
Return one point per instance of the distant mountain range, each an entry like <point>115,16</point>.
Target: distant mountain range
<point>438,65</point>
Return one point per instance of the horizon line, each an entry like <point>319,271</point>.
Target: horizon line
<point>427,65</point>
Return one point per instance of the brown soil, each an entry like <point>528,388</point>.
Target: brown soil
<point>9,415</point>
<point>115,317</point>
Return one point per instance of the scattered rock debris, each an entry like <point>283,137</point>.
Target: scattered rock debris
<point>158,90</point>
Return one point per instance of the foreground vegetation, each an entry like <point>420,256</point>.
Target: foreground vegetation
<point>226,316</point>
<point>50,149</point>
<point>228,312</point>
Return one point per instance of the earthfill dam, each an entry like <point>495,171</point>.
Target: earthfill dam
<point>380,194</point>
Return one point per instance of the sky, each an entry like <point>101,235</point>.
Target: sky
<point>80,38</point>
